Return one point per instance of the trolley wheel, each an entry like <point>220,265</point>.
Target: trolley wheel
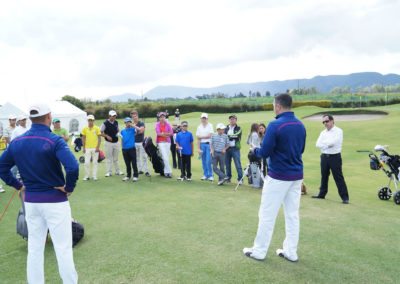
<point>385,193</point>
<point>396,197</point>
<point>82,159</point>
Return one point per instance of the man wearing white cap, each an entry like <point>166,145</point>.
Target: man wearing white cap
<point>21,128</point>
<point>91,144</point>
<point>109,130</point>
<point>7,132</point>
<point>203,134</point>
<point>41,157</point>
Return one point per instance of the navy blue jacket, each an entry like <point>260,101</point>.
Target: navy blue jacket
<point>284,143</point>
<point>39,154</point>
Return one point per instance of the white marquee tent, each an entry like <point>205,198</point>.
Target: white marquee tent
<point>72,118</point>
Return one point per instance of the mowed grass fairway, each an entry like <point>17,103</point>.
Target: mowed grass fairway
<point>163,231</point>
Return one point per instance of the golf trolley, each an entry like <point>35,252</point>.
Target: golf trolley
<point>393,164</point>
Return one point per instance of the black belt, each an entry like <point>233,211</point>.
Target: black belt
<point>330,155</point>
<point>204,142</point>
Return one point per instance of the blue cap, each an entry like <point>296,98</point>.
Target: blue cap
<point>127,119</point>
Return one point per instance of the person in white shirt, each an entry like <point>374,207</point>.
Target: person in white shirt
<point>203,134</point>
<point>7,132</point>
<point>21,128</point>
<point>330,143</point>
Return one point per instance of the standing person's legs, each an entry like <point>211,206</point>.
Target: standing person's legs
<point>238,164</point>
<point>37,232</point>
<point>173,153</point>
<point>88,155</point>
<point>336,167</point>
<point>217,160</point>
<point>127,160</point>
<point>132,153</point>
<point>58,217</point>
<point>188,166</point>
<point>183,166</point>
<point>95,156</point>
<point>143,158</point>
<point>115,154</point>
<point>108,148</point>
<point>228,160</point>
<point>138,158</point>
<point>291,206</point>
<point>207,158</point>
<point>203,158</point>
<point>273,194</point>
<point>165,150</point>
<point>323,189</point>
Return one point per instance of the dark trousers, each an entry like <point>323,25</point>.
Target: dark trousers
<point>219,158</point>
<point>332,163</point>
<point>233,153</point>
<point>130,161</point>
<point>186,168</point>
<point>175,157</point>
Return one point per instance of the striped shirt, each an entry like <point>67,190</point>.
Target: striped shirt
<point>219,142</point>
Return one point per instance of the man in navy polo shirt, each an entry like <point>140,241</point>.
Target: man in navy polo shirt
<point>283,144</point>
<point>184,145</point>
<point>40,156</point>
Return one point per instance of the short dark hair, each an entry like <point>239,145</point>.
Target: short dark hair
<point>285,100</point>
<point>329,116</point>
<point>39,119</point>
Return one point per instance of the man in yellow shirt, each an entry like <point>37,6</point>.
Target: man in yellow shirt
<point>91,143</point>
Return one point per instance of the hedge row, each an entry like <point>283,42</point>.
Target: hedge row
<point>151,109</point>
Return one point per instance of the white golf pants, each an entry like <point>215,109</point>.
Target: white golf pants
<point>112,153</point>
<point>141,158</point>
<point>91,154</point>
<point>55,217</point>
<point>275,193</point>
<point>165,151</point>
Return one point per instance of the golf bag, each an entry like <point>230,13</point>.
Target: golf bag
<point>101,158</point>
<point>393,163</point>
<point>78,144</point>
<point>22,227</point>
<point>254,175</point>
<point>78,231</point>
<point>154,156</point>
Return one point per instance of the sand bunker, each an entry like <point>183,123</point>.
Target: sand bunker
<point>349,117</point>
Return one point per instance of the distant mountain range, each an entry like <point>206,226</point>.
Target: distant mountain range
<point>323,84</point>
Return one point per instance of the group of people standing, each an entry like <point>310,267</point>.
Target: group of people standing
<point>131,137</point>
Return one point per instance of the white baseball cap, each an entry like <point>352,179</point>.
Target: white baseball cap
<point>12,116</point>
<point>112,113</point>
<point>38,110</point>
<point>21,117</point>
<point>204,115</point>
<point>90,117</point>
<point>221,126</point>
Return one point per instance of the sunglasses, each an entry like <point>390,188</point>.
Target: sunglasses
<point>325,121</point>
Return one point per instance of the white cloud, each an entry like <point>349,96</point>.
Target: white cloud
<point>101,48</point>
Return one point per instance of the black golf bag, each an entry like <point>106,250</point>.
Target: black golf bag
<point>102,156</point>
<point>154,156</point>
<point>78,144</point>
<point>78,231</point>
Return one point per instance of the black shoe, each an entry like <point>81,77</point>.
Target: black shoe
<point>318,197</point>
<point>345,202</point>
<point>140,173</point>
<point>147,174</point>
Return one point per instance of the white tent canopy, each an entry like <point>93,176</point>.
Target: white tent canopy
<point>72,118</point>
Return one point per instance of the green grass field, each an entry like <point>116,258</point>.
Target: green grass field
<point>163,231</point>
